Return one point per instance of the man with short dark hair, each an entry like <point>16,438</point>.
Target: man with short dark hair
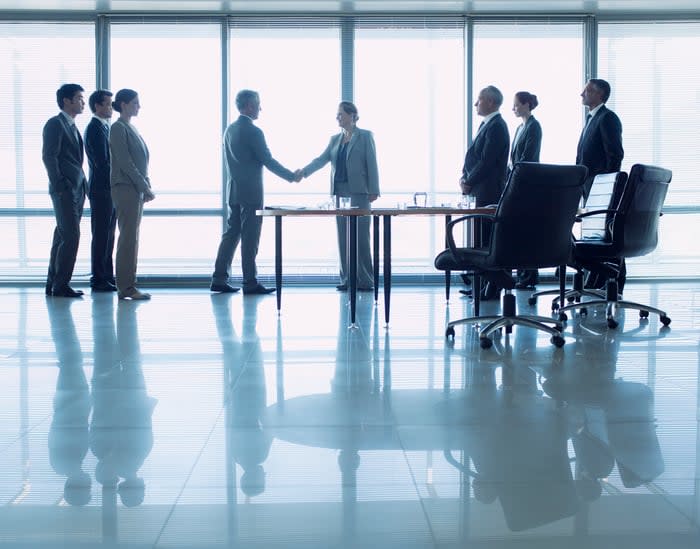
<point>62,154</point>
<point>103,220</point>
<point>245,153</point>
<point>600,150</point>
<point>600,145</point>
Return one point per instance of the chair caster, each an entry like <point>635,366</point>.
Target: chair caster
<point>643,314</point>
<point>531,300</point>
<point>450,332</point>
<point>555,307</point>
<point>557,341</point>
<point>665,320</point>
<point>570,298</point>
<point>612,323</point>
<point>485,343</point>
<point>563,317</point>
<point>583,311</point>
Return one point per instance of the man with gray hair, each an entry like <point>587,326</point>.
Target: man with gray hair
<point>485,165</point>
<point>245,153</point>
<point>486,161</point>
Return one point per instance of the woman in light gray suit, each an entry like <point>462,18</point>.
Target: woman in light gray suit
<point>130,189</point>
<point>354,174</point>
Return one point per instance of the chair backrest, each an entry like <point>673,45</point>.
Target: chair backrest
<point>634,227</point>
<point>535,216</point>
<point>605,194</point>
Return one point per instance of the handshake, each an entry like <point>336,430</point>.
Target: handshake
<point>298,175</point>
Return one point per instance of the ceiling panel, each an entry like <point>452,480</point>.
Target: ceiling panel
<point>347,6</point>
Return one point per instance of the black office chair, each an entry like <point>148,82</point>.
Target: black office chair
<point>531,230</point>
<point>605,194</point>
<point>633,232</point>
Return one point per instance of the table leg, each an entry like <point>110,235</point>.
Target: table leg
<point>387,267</point>
<point>448,274</point>
<point>375,255</point>
<point>352,279</point>
<point>476,293</point>
<point>278,261</point>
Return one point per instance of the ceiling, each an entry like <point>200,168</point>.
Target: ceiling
<point>667,7</point>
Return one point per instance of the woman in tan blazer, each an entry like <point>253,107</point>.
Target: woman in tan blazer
<point>354,174</point>
<point>130,189</point>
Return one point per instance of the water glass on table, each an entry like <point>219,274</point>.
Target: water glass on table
<point>420,200</point>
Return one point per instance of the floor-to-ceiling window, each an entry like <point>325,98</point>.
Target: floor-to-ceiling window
<point>35,59</point>
<point>409,90</point>
<point>413,80</point>
<point>176,69</point>
<point>654,72</point>
<point>545,59</point>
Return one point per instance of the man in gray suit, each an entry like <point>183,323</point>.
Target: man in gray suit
<point>62,153</point>
<point>245,153</point>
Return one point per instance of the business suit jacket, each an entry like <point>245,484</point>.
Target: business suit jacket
<point>97,149</point>
<point>63,157</point>
<point>528,144</point>
<point>129,156</point>
<point>361,162</point>
<point>246,152</point>
<point>486,162</point>
<point>600,146</point>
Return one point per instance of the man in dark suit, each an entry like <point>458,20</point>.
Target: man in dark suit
<point>600,150</point>
<point>245,153</point>
<point>103,216</point>
<point>62,153</point>
<point>600,144</point>
<point>485,164</point>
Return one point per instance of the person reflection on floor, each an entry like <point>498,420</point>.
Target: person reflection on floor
<point>121,430</point>
<point>68,434</point>
<point>246,401</point>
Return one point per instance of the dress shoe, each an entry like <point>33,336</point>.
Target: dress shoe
<point>67,292</point>
<point>342,287</point>
<point>223,288</point>
<point>135,295</point>
<point>104,287</point>
<point>258,290</point>
<point>365,288</point>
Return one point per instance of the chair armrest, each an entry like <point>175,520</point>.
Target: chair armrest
<point>593,212</point>
<point>450,236</point>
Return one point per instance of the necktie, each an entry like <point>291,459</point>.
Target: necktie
<point>76,135</point>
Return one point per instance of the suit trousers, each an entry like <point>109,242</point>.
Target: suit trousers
<point>365,274</point>
<point>244,227</point>
<point>128,203</point>
<point>68,209</point>
<point>103,222</point>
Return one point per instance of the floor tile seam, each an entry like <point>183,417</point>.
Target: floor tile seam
<point>188,477</point>
<point>421,501</point>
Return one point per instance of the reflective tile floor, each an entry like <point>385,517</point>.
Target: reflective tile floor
<point>202,421</point>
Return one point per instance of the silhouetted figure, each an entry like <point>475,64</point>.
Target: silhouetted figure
<point>121,430</point>
<point>68,434</point>
<point>246,398</point>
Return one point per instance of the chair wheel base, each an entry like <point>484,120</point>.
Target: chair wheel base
<point>665,320</point>
<point>485,343</point>
<point>612,323</point>
<point>450,332</point>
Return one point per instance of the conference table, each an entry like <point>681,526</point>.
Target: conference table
<point>382,215</point>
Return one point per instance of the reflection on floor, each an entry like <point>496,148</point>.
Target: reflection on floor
<point>199,420</point>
